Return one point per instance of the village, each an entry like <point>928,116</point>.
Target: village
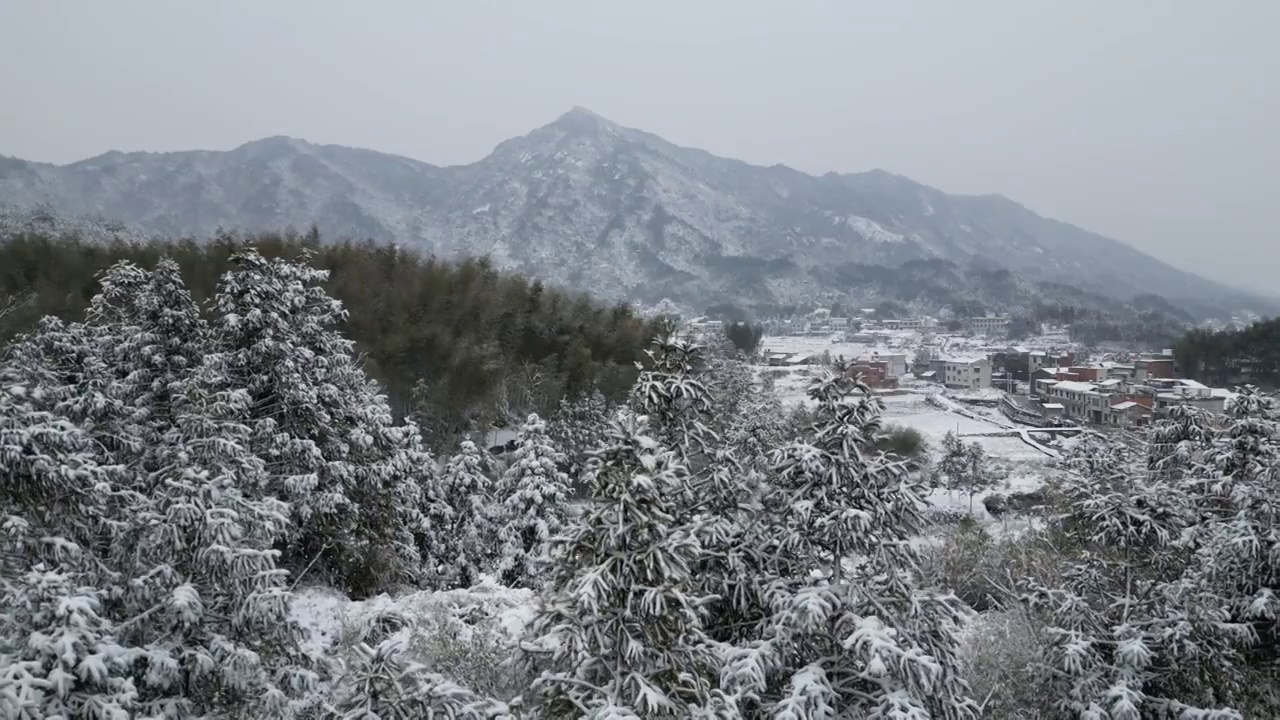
<point>1044,380</point>
<point>1026,403</point>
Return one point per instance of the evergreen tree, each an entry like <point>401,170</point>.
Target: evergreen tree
<point>159,338</point>
<point>1238,550</point>
<point>1177,444</point>
<point>744,336</point>
<point>1124,636</point>
<point>706,401</point>
<point>621,634</point>
<point>534,506</point>
<point>579,428</point>
<point>1247,449</point>
<point>462,521</point>
<point>57,654</point>
<point>677,403</point>
<point>217,631</point>
<point>332,451</point>
<point>156,565</point>
<point>850,632</point>
<point>70,370</point>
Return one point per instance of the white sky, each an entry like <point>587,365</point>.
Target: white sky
<point>1151,122</point>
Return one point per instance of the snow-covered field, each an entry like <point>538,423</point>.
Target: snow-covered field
<point>928,409</point>
<point>903,341</point>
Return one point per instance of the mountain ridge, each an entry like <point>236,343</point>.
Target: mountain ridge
<point>620,212</point>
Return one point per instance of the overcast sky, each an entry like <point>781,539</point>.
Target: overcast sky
<point>1157,123</point>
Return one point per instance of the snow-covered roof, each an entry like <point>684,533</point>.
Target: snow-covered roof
<point>1192,384</point>
<point>1053,406</point>
<point>965,360</point>
<point>1126,405</point>
<point>1057,371</point>
<point>1073,386</point>
<point>1111,382</point>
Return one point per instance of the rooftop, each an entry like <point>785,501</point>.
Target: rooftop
<point>1073,386</point>
<point>1057,371</point>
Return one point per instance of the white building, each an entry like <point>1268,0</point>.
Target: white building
<point>1078,399</point>
<point>1181,391</point>
<point>895,363</point>
<point>988,324</point>
<point>838,324</point>
<point>965,373</point>
<point>917,323</point>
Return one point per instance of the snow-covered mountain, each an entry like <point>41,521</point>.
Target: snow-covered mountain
<point>589,204</point>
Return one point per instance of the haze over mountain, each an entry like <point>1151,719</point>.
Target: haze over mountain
<point>588,204</point>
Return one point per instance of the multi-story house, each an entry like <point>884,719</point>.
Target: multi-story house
<point>895,363</point>
<point>1180,391</point>
<point>918,323</point>
<point>874,373</point>
<point>1079,400</point>
<point>1157,365</point>
<point>987,325</point>
<point>963,373</point>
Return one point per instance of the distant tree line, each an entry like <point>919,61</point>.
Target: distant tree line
<point>476,346</point>
<point>1231,357</point>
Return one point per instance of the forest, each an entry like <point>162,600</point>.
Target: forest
<point>175,481</point>
<point>1248,355</point>
<point>476,347</point>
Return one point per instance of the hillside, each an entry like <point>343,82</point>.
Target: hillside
<point>476,345</point>
<point>588,204</point>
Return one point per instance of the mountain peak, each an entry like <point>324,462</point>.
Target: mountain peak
<point>581,120</point>
<point>274,143</point>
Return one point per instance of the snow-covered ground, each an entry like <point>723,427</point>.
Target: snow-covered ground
<point>330,620</point>
<point>934,412</point>
<point>901,341</point>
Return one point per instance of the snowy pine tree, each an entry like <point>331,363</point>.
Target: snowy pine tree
<point>110,374</point>
<point>850,634</point>
<point>1247,449</point>
<point>579,428</point>
<point>1125,636</point>
<point>462,521</point>
<point>1238,550</point>
<point>621,634</point>
<point>677,403</point>
<point>1176,444</point>
<point>57,654</point>
<point>70,371</point>
<point>333,453</point>
<point>760,426</point>
<point>159,338</point>
<point>217,631</point>
<point>534,503</point>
